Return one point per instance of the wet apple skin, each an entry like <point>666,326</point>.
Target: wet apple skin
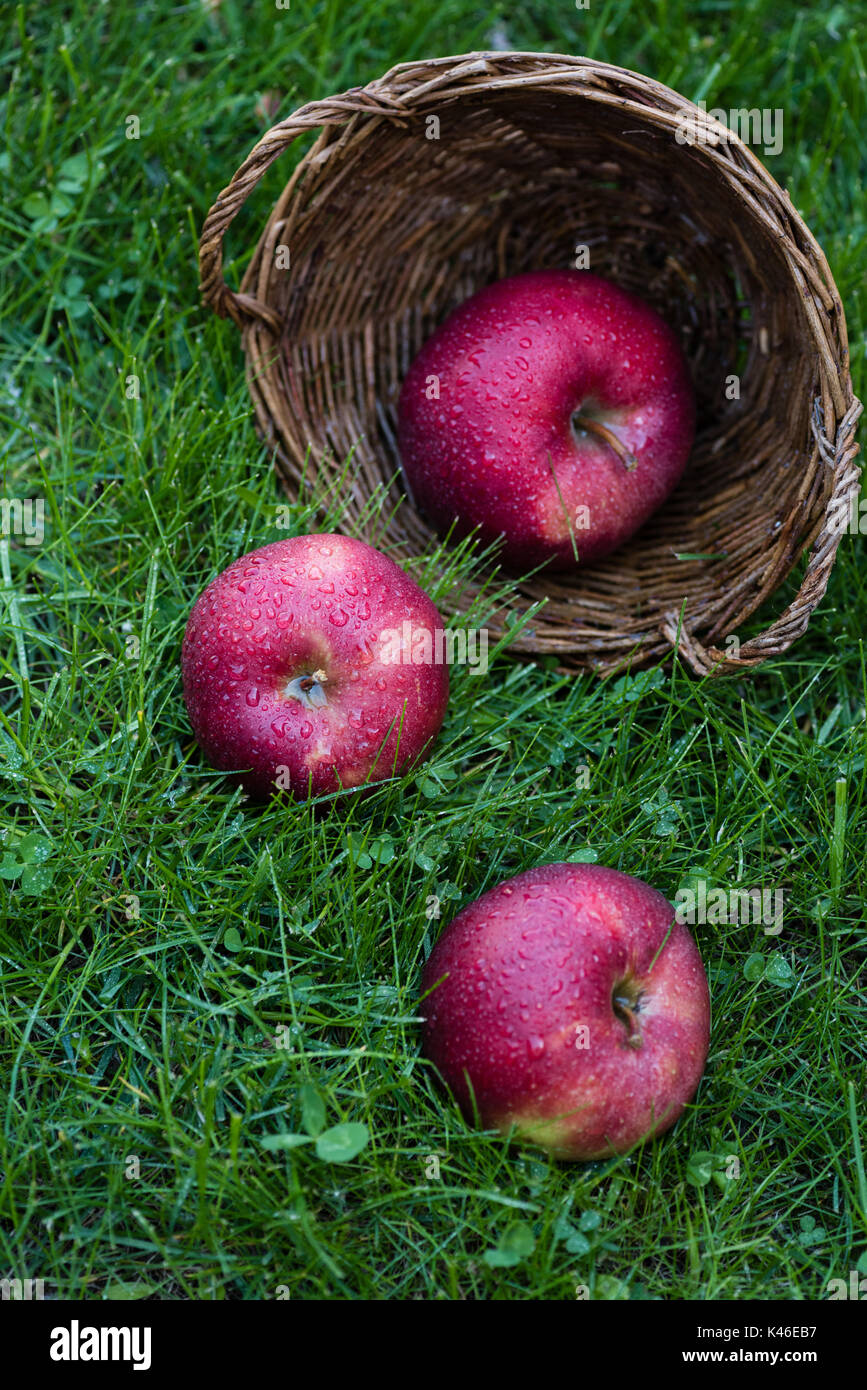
<point>520,971</point>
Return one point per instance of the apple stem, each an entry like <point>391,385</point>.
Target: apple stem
<point>308,682</point>
<point>307,689</point>
<point>601,431</point>
<point>627,1007</point>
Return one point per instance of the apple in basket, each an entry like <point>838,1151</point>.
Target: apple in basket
<point>312,665</point>
<point>553,409</point>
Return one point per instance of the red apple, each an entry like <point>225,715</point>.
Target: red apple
<point>291,676</point>
<point>568,1005</point>
<point>553,409</point>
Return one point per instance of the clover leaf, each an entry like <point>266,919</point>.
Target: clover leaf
<point>514,1245</point>
<point>26,860</point>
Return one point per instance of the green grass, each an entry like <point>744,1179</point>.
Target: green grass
<point>183,975</point>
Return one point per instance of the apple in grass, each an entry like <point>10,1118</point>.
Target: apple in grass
<point>568,1005</point>
<point>303,670</point>
<point>553,409</point>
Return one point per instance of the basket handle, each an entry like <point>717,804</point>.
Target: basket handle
<point>333,112</point>
<point>391,97</point>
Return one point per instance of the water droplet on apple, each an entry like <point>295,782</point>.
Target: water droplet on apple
<point>253,696</point>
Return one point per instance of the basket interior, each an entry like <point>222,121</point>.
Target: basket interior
<point>390,229</point>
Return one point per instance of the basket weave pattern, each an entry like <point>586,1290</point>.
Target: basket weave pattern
<point>388,229</point>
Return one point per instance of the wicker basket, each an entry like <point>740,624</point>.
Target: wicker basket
<point>388,227</point>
